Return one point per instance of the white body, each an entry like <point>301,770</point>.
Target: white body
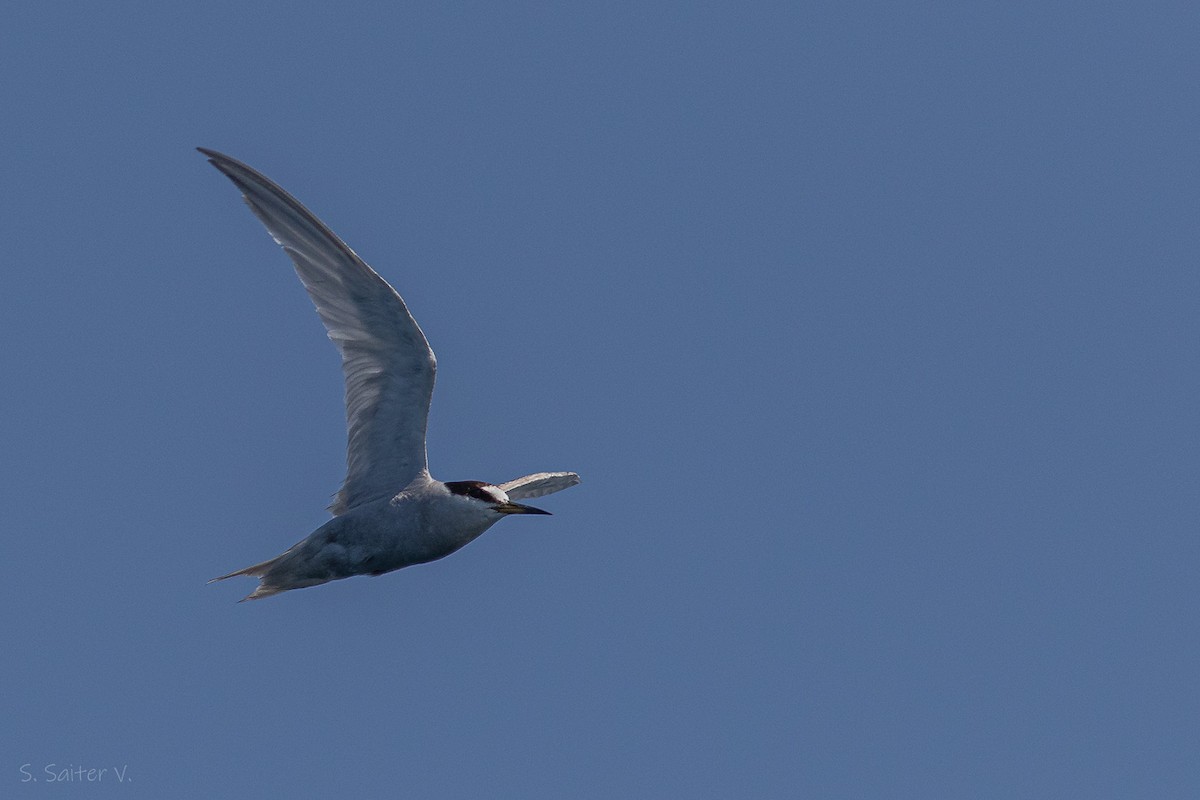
<point>422,523</point>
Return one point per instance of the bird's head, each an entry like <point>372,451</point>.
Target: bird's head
<point>489,497</point>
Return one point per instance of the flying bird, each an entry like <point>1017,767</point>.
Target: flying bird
<point>390,513</point>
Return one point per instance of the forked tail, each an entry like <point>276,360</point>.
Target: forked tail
<point>256,571</point>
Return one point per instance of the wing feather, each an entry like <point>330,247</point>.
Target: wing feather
<point>386,360</point>
<point>539,484</point>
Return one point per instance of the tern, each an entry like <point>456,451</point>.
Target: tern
<point>389,512</point>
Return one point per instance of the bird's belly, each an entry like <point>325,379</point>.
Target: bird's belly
<point>405,554</point>
<point>373,545</point>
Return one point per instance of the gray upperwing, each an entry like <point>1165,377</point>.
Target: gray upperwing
<point>388,365</point>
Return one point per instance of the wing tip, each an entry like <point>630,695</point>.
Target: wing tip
<point>540,484</point>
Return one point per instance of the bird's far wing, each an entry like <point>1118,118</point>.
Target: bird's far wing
<point>539,484</point>
<point>386,360</point>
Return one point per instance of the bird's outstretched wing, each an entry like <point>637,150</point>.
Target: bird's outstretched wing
<point>387,362</point>
<point>539,484</point>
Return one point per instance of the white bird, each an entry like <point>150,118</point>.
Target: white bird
<point>389,512</point>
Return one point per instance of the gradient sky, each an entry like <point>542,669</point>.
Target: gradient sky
<point>872,329</point>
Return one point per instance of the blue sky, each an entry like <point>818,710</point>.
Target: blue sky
<point>871,329</point>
